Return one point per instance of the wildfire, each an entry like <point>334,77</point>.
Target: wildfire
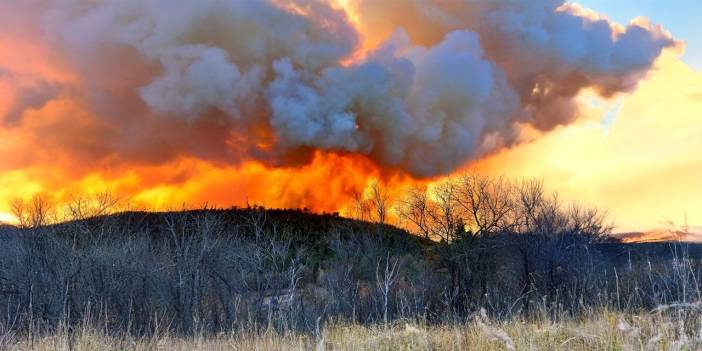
<point>288,103</point>
<point>327,184</point>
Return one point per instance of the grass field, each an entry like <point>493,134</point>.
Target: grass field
<point>670,328</point>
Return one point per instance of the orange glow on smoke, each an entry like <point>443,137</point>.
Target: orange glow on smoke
<point>31,164</point>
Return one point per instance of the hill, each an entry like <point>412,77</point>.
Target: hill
<point>213,270</point>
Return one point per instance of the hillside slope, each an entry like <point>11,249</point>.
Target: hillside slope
<point>212,270</point>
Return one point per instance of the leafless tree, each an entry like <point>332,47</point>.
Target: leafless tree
<point>361,207</point>
<point>444,212</point>
<point>82,207</point>
<point>379,202</point>
<point>214,270</point>
<point>414,208</point>
<point>486,201</point>
<point>588,222</point>
<point>385,281</point>
<point>530,196</point>
<point>193,237</point>
<point>34,213</point>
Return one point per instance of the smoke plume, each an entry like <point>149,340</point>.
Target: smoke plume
<point>229,81</point>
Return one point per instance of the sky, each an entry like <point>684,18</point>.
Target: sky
<point>305,103</point>
<point>681,17</point>
<point>644,166</point>
<point>638,154</point>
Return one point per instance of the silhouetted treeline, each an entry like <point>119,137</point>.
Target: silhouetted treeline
<point>478,243</point>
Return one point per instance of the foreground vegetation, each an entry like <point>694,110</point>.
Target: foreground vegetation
<point>485,259</point>
<point>665,328</point>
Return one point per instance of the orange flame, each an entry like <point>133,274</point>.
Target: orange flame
<point>32,167</point>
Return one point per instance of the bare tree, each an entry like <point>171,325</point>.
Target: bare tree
<point>361,207</point>
<point>385,281</point>
<point>444,213</point>
<point>530,197</point>
<point>487,202</point>
<point>379,202</point>
<point>34,213</point>
<point>588,222</point>
<point>82,207</point>
<point>371,205</point>
<point>193,237</point>
<point>434,213</point>
<point>414,208</point>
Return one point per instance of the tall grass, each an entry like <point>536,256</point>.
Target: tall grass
<point>666,328</point>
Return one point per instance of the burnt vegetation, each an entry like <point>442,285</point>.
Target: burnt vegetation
<point>472,242</point>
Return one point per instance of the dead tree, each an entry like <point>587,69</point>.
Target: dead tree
<point>385,281</point>
<point>414,208</point>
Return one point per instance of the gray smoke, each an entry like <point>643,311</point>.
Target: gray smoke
<point>234,80</point>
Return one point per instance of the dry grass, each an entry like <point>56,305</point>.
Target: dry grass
<point>679,330</point>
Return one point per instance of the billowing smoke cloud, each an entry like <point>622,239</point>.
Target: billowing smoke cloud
<point>274,81</point>
<point>25,93</point>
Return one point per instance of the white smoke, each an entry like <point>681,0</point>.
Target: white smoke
<point>234,80</point>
